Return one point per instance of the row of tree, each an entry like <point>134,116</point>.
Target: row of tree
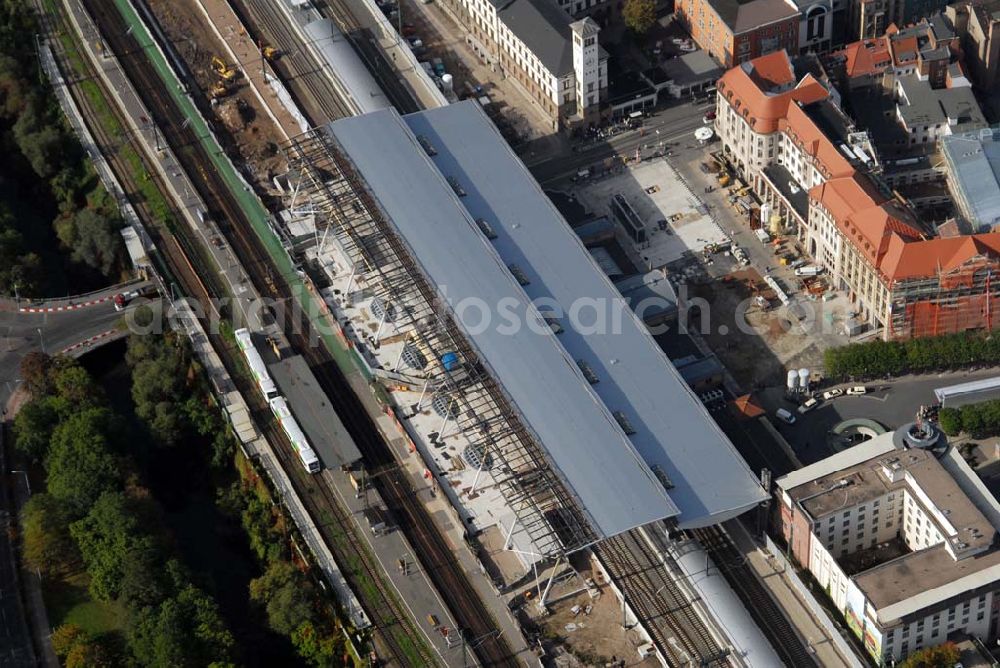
<point>980,420</point>
<point>49,194</point>
<point>293,605</point>
<point>96,515</point>
<point>880,359</point>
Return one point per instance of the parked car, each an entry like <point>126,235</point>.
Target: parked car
<point>709,117</point>
<point>830,394</point>
<point>809,404</point>
<point>785,416</point>
<point>857,389</point>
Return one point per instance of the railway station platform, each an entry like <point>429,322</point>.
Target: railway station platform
<point>828,652</point>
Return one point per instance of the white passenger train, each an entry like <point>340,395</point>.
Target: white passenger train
<point>279,405</point>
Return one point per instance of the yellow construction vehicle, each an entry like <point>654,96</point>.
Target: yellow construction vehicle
<point>219,90</point>
<point>222,69</point>
<point>270,53</point>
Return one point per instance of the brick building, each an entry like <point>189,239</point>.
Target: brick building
<point>736,31</point>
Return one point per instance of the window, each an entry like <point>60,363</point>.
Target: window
<point>623,422</point>
<point>588,372</point>
<point>426,145</point>
<point>522,278</point>
<point>456,186</point>
<point>486,228</point>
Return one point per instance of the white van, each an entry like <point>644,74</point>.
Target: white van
<point>809,270</point>
<point>784,416</point>
<point>809,404</point>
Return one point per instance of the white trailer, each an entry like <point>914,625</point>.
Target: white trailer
<point>279,406</point>
<point>256,363</point>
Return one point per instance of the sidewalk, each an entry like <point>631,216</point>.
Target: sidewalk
<point>820,643</point>
<point>445,38</point>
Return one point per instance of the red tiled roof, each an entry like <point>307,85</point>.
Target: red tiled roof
<point>845,195</point>
<point>867,57</point>
<point>763,108</point>
<point>772,71</point>
<point>813,142</point>
<point>922,259</point>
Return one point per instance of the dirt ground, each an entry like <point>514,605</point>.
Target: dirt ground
<point>595,638</point>
<point>766,343</point>
<point>255,135</point>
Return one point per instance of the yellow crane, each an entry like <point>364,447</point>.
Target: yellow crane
<point>222,69</point>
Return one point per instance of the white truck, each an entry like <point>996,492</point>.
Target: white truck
<point>762,235</point>
<point>809,270</point>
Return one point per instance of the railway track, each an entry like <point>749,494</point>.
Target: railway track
<point>670,618</point>
<point>765,612</point>
<point>181,271</point>
<point>437,558</point>
<point>308,85</point>
<point>367,47</point>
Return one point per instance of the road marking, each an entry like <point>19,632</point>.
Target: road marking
<point>88,342</point>
<point>67,307</point>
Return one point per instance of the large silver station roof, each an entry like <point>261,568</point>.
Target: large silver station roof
<point>674,461</point>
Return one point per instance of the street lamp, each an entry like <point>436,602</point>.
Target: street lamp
<point>41,337</point>
<point>27,483</point>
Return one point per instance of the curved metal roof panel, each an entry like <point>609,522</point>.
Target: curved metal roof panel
<point>581,437</point>
<point>673,432</point>
<point>346,66</point>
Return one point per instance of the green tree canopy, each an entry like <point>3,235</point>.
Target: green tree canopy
<point>81,465</point>
<point>47,544</point>
<point>34,425</point>
<point>283,594</point>
<point>108,537</point>
<point>639,15</point>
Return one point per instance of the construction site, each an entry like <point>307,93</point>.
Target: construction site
<point>956,300</point>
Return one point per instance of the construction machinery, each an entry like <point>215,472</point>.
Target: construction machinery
<point>223,70</point>
<point>220,89</point>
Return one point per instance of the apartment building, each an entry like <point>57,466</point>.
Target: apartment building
<point>900,532</point>
<point>735,31</point>
<point>978,27</point>
<point>821,177</point>
<point>558,62</point>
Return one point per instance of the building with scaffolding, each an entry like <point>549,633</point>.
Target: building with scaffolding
<point>540,403</point>
<point>822,181</point>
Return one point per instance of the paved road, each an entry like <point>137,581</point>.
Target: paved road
<point>53,331</point>
<point>673,125</point>
<point>892,404</point>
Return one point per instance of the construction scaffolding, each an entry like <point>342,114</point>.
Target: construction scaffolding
<point>959,300</point>
<point>324,184</point>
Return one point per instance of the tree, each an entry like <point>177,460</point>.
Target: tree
<point>109,537</point>
<point>87,655</point>
<point>945,655</point>
<point>47,544</point>
<point>73,383</point>
<point>93,240</point>
<point>315,648</point>
<point>65,637</point>
<point>35,373</point>
<point>950,420</point>
<point>34,426</point>
<point>80,463</point>
<point>639,15</point>
<point>184,630</point>
<point>284,594</point>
